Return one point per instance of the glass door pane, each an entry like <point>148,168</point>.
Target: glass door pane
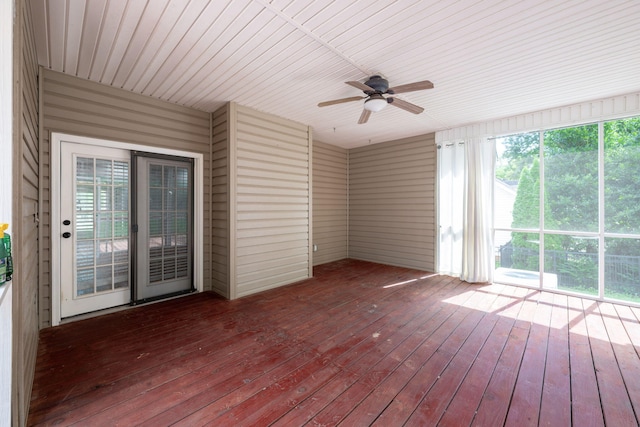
<point>169,215</point>
<point>164,216</point>
<point>94,242</point>
<point>102,224</point>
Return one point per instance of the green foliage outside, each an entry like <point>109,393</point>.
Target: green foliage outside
<point>571,199</point>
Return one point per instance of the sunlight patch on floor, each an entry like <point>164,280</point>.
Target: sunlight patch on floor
<point>574,315</point>
<point>406,282</point>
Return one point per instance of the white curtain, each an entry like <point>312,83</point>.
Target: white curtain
<point>465,209</point>
<point>477,237</point>
<point>450,204</point>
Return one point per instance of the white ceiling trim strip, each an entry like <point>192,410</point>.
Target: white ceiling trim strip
<point>570,115</point>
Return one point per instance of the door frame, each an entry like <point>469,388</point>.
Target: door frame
<point>198,207</point>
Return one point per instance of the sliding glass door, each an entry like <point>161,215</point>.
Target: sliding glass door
<point>108,254</point>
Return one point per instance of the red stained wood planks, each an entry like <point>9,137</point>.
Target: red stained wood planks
<point>359,344</point>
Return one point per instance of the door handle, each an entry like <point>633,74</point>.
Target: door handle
<point>66,234</point>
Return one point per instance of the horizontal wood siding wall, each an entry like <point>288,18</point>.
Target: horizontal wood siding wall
<point>80,107</point>
<point>220,203</point>
<point>392,202</point>
<point>272,201</point>
<point>330,202</point>
<point>25,209</point>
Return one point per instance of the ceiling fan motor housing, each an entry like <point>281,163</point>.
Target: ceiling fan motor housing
<point>378,84</point>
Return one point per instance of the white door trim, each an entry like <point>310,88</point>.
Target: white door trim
<point>198,207</point>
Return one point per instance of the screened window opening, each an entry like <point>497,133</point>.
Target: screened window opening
<point>568,209</point>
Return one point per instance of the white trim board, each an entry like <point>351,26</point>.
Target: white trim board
<point>570,115</point>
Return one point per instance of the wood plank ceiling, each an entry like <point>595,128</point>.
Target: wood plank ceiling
<point>487,58</point>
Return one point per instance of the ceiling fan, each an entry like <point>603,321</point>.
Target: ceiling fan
<point>375,88</point>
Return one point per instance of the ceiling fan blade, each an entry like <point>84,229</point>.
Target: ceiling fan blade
<point>410,87</point>
<point>360,86</point>
<point>364,117</point>
<point>340,101</point>
<point>407,106</point>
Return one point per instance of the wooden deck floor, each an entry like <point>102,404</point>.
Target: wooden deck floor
<point>360,344</point>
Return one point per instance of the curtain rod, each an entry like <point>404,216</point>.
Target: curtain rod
<point>451,144</point>
<point>492,138</point>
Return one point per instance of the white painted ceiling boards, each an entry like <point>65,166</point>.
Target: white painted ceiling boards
<point>487,59</point>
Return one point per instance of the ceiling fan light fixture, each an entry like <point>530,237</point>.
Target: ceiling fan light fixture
<point>375,103</point>
<point>374,89</point>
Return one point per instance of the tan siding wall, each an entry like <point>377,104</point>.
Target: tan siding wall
<point>392,202</point>
<point>220,206</point>
<point>25,208</point>
<point>80,107</point>
<point>330,202</point>
<point>272,201</point>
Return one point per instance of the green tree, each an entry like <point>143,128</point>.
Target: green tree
<point>526,214</point>
<point>571,178</point>
<point>520,151</point>
<point>622,175</point>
